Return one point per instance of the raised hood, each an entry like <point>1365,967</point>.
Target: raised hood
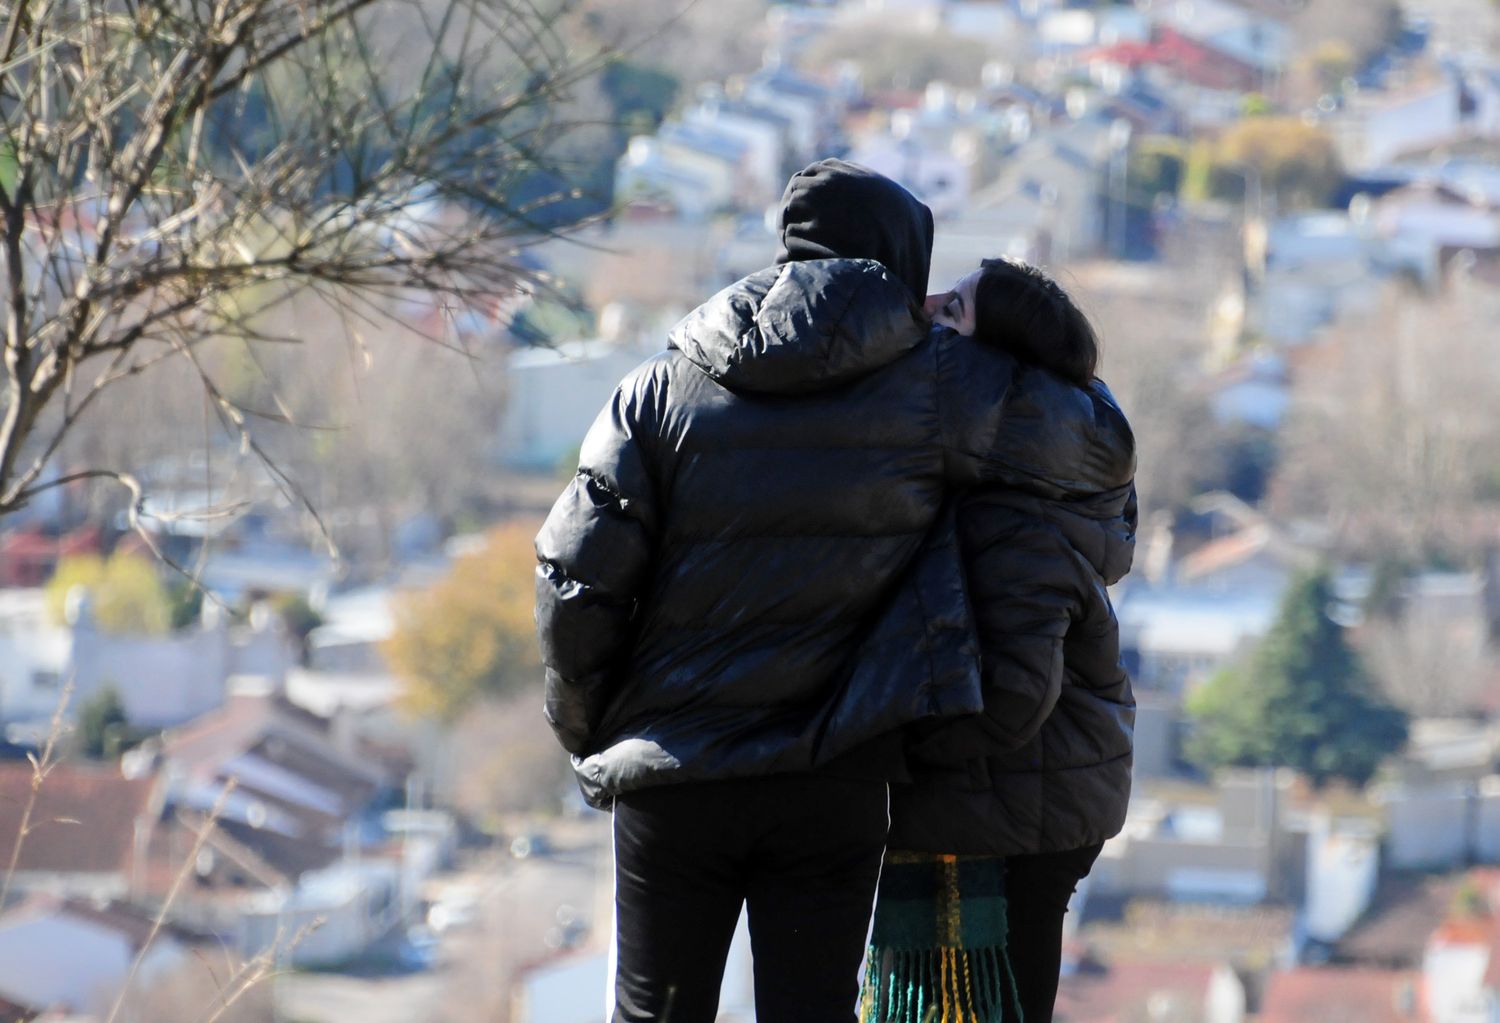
<point>802,326</point>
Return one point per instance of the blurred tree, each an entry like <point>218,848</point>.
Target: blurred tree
<point>298,616</point>
<point>186,603</point>
<point>1295,162</point>
<point>126,594</point>
<point>1394,433</point>
<point>898,58</point>
<point>640,95</point>
<point>691,42</point>
<point>1360,27</point>
<point>1157,166</point>
<point>511,763</point>
<point>1384,601</point>
<point>1332,61</point>
<point>178,167</point>
<point>100,721</point>
<point>471,635</point>
<point>1302,700</point>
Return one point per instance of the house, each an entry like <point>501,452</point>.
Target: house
<point>1460,966</point>
<point>331,916</point>
<point>1424,222</point>
<point>355,622</point>
<point>1319,266</point>
<point>34,654</point>
<point>1406,910</point>
<point>1441,822</point>
<point>1047,196</point>
<point>764,134</point>
<point>28,557</point>
<point>1150,992</point>
<point>74,955</point>
<point>1175,637</point>
<point>87,831</point>
<point>812,109</point>
<point>1239,37</point>
<point>555,395</point>
<point>1230,845</point>
<point>298,833</point>
<point>1343,871</point>
<point>297,798</point>
<point>1376,127</point>
<point>693,170</point>
<point>985,20</point>
<point>1255,391</point>
<point>1309,994</point>
<point>933,150</point>
<point>161,680</point>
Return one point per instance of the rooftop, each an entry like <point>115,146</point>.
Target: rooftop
<point>83,821</point>
<point>1342,995</point>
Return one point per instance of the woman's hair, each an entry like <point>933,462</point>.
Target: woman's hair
<point>1019,308</point>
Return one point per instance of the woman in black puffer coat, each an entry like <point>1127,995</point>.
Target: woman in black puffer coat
<point>1019,799</point>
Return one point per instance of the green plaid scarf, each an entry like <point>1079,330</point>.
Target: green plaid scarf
<point>937,951</point>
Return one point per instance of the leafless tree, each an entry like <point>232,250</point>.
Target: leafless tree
<point>1394,432</point>
<point>171,171</point>
<point>1429,666</point>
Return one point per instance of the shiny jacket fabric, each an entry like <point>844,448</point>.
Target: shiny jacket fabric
<point>745,510</point>
<point>1046,767</point>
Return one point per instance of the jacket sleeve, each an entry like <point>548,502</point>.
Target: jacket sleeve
<point>1025,587</point>
<point>594,557</point>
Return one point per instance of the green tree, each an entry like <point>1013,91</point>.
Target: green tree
<point>101,720</point>
<point>1157,166</point>
<point>299,617</point>
<point>125,591</point>
<point>1302,701</point>
<point>471,636</point>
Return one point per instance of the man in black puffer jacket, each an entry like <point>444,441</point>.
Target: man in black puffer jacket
<point>744,509</point>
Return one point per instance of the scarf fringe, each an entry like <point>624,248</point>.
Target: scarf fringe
<point>939,985</point>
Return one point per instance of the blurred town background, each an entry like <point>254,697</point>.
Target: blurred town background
<point>1284,218</point>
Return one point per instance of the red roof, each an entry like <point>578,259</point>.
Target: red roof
<point>1123,991</point>
<point>1334,995</point>
<point>83,821</point>
<point>1184,57</point>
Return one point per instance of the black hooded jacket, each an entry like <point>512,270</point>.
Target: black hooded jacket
<point>749,501</point>
<point>1046,767</point>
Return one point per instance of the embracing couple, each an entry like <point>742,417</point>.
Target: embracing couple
<point>824,611</point>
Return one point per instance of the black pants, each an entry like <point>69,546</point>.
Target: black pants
<point>1037,889</point>
<point>801,852</point>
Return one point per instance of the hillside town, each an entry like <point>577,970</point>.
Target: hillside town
<point>322,781</point>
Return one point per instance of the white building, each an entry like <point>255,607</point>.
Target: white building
<point>555,393</point>
<point>161,680</point>
<point>74,956</point>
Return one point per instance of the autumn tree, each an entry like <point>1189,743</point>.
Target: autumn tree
<point>1302,700</point>
<point>1291,162</point>
<point>125,593</point>
<point>470,637</point>
<point>174,168</point>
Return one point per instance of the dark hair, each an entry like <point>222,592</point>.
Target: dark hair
<point>1019,308</point>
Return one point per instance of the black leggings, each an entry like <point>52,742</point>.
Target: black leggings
<point>800,852</point>
<point>1037,889</point>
